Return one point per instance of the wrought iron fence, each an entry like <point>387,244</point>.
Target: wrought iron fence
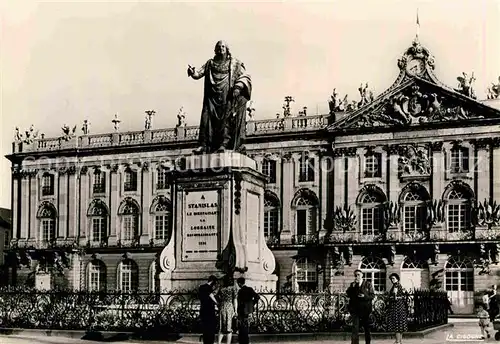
<point>177,311</point>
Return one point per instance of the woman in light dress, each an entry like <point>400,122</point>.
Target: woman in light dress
<point>228,303</point>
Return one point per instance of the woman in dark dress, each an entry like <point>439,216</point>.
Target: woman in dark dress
<point>397,309</point>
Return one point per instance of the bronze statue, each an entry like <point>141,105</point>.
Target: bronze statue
<point>228,88</point>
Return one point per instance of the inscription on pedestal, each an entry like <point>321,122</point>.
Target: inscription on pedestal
<point>201,226</point>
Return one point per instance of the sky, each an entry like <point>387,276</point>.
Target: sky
<point>65,61</point>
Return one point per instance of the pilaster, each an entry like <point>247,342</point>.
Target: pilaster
<point>62,206</point>
<point>25,203</point>
<point>438,172</point>
<point>72,231</point>
<point>482,169</point>
<point>323,188</point>
<point>288,168</point>
<point>114,202</point>
<point>352,186</point>
<point>393,172</point>
<point>84,189</point>
<point>15,205</point>
<point>32,191</point>
<point>496,169</point>
<point>147,191</point>
<point>338,177</point>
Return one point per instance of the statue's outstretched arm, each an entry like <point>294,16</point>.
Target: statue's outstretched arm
<point>198,73</point>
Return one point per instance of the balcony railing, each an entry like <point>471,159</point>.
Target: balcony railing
<point>179,134</point>
<point>305,239</point>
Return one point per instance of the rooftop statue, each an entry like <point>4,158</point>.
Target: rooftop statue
<point>228,88</point>
<point>18,137</point>
<point>465,86</point>
<point>494,90</point>
<point>67,132</point>
<point>86,127</point>
<point>181,118</point>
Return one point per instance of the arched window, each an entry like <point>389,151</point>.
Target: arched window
<point>162,220</point>
<point>271,215</point>
<point>306,275</point>
<point>458,210</point>
<point>128,276</point>
<point>306,212</point>
<point>129,216</point>
<point>371,213</point>
<point>373,269</point>
<point>48,218</point>
<point>96,276</point>
<point>414,210</point>
<point>98,214</point>
<point>414,274</point>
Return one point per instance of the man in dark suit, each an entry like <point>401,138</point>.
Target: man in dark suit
<point>247,299</point>
<point>208,309</point>
<point>360,294</point>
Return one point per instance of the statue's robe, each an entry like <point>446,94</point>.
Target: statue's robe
<point>223,119</point>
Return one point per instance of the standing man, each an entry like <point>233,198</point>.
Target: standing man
<point>247,299</point>
<point>208,309</point>
<point>360,294</point>
<point>228,88</point>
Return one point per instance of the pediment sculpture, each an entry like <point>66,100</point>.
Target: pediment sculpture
<point>413,106</point>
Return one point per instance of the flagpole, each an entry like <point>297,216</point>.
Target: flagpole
<point>417,28</point>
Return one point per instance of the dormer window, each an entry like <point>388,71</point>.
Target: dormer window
<point>373,165</point>
<point>130,180</point>
<point>459,160</point>
<point>47,184</point>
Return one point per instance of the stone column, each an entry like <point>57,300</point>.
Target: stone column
<point>496,169</point>
<point>114,202</point>
<point>83,205</point>
<point>25,201</point>
<point>482,169</point>
<point>62,206</point>
<point>147,191</point>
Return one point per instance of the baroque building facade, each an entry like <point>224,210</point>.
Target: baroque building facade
<point>405,182</point>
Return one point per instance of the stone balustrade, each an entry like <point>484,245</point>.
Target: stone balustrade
<point>168,135</point>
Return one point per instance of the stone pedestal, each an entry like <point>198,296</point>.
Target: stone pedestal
<point>218,211</point>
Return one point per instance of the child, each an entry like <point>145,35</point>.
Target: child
<point>484,321</point>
